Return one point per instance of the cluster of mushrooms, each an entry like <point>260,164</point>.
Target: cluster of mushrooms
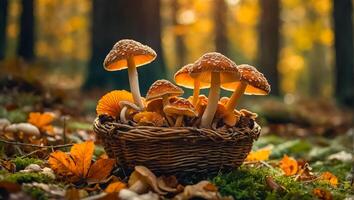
<point>163,104</point>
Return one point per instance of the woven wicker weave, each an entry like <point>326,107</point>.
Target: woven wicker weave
<point>172,150</point>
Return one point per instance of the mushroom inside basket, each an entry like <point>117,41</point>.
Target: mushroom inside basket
<point>171,134</point>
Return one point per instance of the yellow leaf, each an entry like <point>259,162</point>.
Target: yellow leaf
<point>330,178</point>
<point>261,154</point>
<point>115,187</point>
<point>82,155</point>
<point>100,170</point>
<point>288,165</point>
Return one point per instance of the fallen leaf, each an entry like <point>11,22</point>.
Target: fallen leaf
<point>115,187</point>
<point>100,170</point>
<point>42,121</point>
<point>288,165</point>
<point>82,155</point>
<point>322,194</point>
<point>77,165</point>
<point>261,154</point>
<point>330,178</point>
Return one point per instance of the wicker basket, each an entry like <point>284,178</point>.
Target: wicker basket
<point>172,150</point>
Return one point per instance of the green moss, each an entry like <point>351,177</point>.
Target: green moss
<point>22,163</point>
<point>27,177</point>
<point>36,193</point>
<point>249,183</point>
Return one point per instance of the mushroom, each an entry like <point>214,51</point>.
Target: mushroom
<point>142,179</point>
<point>126,194</point>
<point>183,78</point>
<point>168,184</point>
<point>251,82</point>
<point>181,107</point>
<point>213,68</point>
<point>27,129</point>
<point>248,113</point>
<point>130,54</point>
<point>147,118</point>
<point>109,103</point>
<point>163,89</point>
<point>125,105</point>
<point>156,105</point>
<point>203,189</point>
<point>229,119</point>
<point>4,123</point>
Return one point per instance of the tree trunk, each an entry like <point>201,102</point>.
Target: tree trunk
<point>3,23</point>
<point>269,42</point>
<point>26,40</point>
<point>220,19</point>
<point>343,28</point>
<point>180,47</point>
<point>114,20</point>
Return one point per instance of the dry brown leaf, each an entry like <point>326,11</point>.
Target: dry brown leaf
<point>115,187</point>
<point>330,178</point>
<point>322,194</point>
<point>261,154</point>
<point>288,165</point>
<point>100,170</point>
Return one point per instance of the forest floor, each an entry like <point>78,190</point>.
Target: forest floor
<point>304,151</point>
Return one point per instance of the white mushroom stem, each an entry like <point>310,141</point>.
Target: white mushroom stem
<point>213,98</point>
<point>196,91</point>
<point>231,104</point>
<point>134,82</point>
<point>122,114</point>
<point>179,120</point>
<point>139,187</point>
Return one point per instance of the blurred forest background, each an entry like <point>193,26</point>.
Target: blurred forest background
<point>304,48</point>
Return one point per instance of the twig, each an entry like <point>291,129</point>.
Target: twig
<point>35,145</point>
<point>33,152</point>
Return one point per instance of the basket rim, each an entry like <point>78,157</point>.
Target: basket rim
<point>110,128</point>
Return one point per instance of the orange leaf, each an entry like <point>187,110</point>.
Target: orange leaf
<point>330,178</point>
<point>261,154</point>
<point>100,170</point>
<point>41,120</point>
<point>322,194</point>
<point>288,165</point>
<point>62,164</point>
<point>115,187</point>
<point>82,155</point>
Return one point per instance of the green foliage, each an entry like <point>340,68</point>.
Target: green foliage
<point>22,163</point>
<point>36,193</point>
<point>27,177</point>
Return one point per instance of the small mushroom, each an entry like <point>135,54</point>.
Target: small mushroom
<point>168,184</point>
<point>4,123</point>
<point>203,189</point>
<point>147,118</point>
<point>156,105</point>
<point>25,128</point>
<point>229,119</point>
<point>248,113</point>
<point>181,108</point>
<point>216,69</point>
<point>183,78</point>
<point>130,54</point>
<point>142,179</point>
<point>163,89</point>
<point>126,194</point>
<point>252,82</point>
<point>125,105</point>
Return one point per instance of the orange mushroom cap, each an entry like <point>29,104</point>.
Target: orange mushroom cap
<point>161,88</point>
<point>109,103</point>
<point>257,84</point>
<point>124,49</point>
<point>215,62</point>
<point>183,78</point>
<point>180,107</point>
